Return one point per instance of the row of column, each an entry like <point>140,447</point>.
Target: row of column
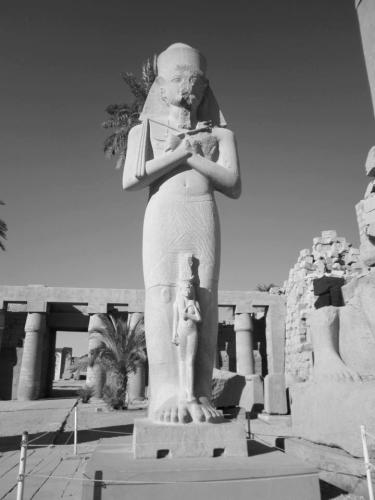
<point>33,372</point>
<point>30,379</point>
<point>33,363</point>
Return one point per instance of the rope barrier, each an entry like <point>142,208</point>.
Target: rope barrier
<point>108,432</point>
<point>47,445</point>
<point>123,482</point>
<point>39,437</point>
<point>369,434</point>
<point>69,437</point>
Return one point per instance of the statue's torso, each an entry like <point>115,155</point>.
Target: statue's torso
<point>184,180</point>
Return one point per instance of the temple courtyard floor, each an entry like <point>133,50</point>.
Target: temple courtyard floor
<point>52,469</point>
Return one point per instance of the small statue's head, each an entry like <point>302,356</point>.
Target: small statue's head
<point>181,74</point>
<point>187,289</point>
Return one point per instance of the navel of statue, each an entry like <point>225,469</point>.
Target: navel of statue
<point>183,153</point>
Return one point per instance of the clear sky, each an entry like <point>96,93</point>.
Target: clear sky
<point>289,76</point>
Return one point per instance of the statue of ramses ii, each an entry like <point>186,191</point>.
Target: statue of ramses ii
<point>183,152</point>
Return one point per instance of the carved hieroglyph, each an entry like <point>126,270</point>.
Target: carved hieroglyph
<point>182,152</point>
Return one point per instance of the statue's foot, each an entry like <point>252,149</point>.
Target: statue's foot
<point>184,412</point>
<point>336,370</point>
<point>210,412</point>
<point>173,412</point>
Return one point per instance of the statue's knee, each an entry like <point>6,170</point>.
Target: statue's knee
<point>324,317</point>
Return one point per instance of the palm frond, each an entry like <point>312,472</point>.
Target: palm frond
<point>148,75</point>
<point>3,230</point>
<point>134,85</point>
<point>123,117</point>
<point>113,109</point>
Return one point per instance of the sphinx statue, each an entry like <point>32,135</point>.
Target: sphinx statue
<point>182,152</point>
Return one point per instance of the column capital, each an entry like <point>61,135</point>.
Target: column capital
<point>35,321</point>
<point>97,308</point>
<point>36,306</point>
<point>243,321</point>
<point>244,307</point>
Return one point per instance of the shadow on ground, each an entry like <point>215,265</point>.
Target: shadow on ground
<point>329,491</point>
<point>87,435</point>
<point>12,443</point>
<point>256,448</point>
<point>64,393</point>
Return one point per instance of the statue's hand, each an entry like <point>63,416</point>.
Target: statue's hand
<point>175,339</point>
<point>195,146</point>
<point>173,142</point>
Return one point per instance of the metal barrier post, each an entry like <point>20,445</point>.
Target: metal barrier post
<point>367,463</point>
<point>22,467</point>
<point>248,415</point>
<point>75,428</point>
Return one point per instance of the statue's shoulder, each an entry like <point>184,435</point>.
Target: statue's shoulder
<point>223,133</point>
<point>135,133</point>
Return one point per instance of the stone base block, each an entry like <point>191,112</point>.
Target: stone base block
<point>331,413</point>
<point>164,440</point>
<point>264,475</point>
<point>275,419</point>
<point>227,388</point>
<point>275,394</point>
<point>252,393</point>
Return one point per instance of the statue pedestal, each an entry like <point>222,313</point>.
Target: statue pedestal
<point>167,440</point>
<point>265,474</point>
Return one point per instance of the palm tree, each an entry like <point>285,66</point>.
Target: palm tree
<point>122,347</point>
<point>3,231</point>
<point>123,117</point>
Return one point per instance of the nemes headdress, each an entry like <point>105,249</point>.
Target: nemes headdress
<point>155,108</point>
<point>180,54</point>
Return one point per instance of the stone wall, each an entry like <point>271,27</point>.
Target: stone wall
<point>330,256</point>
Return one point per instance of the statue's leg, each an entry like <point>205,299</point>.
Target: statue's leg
<point>325,330</point>
<point>182,349</point>
<point>162,354</point>
<point>205,356</point>
<point>191,349</point>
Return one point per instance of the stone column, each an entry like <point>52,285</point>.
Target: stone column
<point>252,394</point>
<point>136,383</point>
<point>136,380</point>
<point>29,381</point>
<point>45,354</point>
<point>95,377</point>
<point>243,326</point>
<point>275,402</point>
<point>2,325</point>
<point>366,18</point>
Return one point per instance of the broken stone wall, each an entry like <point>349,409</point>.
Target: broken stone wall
<point>330,256</point>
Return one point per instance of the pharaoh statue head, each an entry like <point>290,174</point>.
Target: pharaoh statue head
<point>181,81</point>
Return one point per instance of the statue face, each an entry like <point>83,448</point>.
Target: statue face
<point>187,289</point>
<point>184,87</point>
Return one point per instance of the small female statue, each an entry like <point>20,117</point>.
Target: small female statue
<point>186,318</point>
